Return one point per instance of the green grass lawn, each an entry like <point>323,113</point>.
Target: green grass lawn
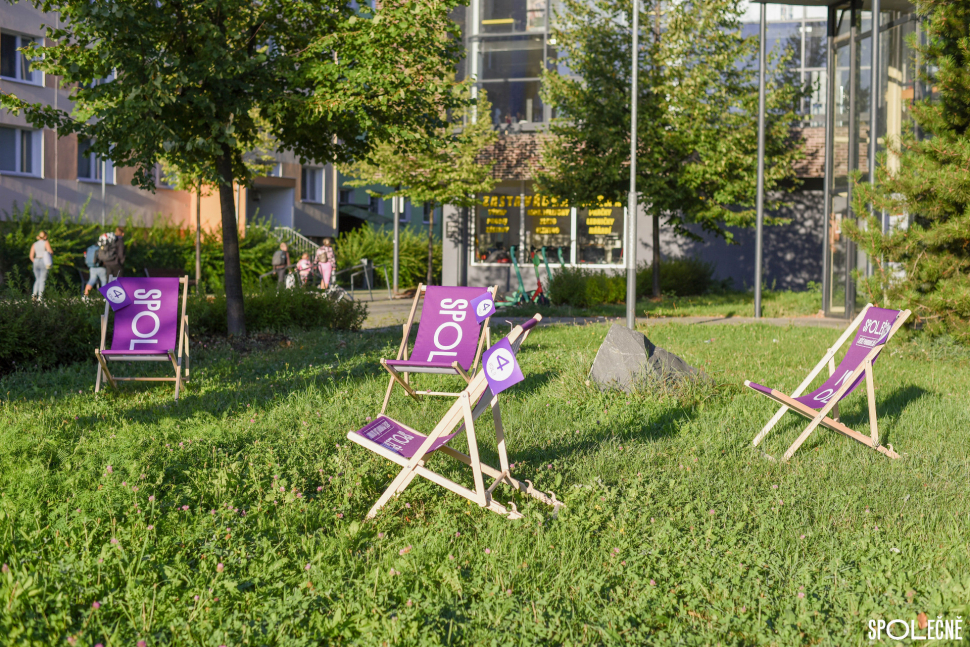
<point>236,516</point>
<point>728,304</point>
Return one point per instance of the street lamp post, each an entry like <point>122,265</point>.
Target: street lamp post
<point>759,227</point>
<point>631,250</point>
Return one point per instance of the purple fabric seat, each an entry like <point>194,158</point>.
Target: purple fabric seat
<point>392,435</point>
<point>875,329</point>
<point>148,327</point>
<point>448,332</point>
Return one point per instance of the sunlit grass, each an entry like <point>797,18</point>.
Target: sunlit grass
<point>675,530</point>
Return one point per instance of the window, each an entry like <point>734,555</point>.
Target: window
<point>90,167</point>
<point>345,195</point>
<point>405,206</point>
<point>376,205</point>
<point>15,65</point>
<point>514,102</point>
<point>20,151</point>
<point>426,211</point>
<point>503,16</point>
<point>311,185</point>
<point>274,169</point>
<point>164,180</point>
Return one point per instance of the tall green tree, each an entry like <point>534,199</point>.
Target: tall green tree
<point>697,136</point>
<point>923,182</point>
<point>438,167</point>
<point>191,83</point>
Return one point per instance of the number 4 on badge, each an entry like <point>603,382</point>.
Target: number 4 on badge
<point>501,369</point>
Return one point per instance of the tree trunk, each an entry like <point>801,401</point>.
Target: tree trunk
<point>230,247</point>
<point>431,245</point>
<point>656,255</point>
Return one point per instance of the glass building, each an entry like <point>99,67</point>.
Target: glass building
<point>829,50</point>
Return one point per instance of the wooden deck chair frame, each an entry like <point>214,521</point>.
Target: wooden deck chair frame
<point>176,357</point>
<point>463,414</point>
<point>402,377</point>
<point>821,417</point>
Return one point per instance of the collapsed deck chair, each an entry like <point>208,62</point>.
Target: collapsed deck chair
<point>412,450</point>
<point>146,324</point>
<point>874,328</point>
<point>449,341</point>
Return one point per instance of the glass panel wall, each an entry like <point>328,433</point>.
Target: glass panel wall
<point>541,222</point>
<point>850,129</point>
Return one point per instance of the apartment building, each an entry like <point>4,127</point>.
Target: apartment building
<point>59,175</point>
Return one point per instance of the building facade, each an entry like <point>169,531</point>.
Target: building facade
<point>57,175</point>
<point>509,44</point>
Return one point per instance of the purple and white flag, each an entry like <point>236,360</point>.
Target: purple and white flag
<point>116,295</point>
<point>501,369</point>
<point>484,307</point>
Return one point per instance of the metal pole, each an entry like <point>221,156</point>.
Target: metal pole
<point>198,240</point>
<point>874,99</point>
<point>395,201</point>
<point>631,251</point>
<point>830,109</point>
<point>759,232</point>
<point>102,194</point>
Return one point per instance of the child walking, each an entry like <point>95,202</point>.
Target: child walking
<point>304,266</point>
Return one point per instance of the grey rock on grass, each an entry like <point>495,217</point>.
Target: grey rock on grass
<point>627,360</point>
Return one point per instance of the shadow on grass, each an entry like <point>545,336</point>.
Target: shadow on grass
<point>888,411</point>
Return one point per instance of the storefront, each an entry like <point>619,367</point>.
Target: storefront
<point>526,223</point>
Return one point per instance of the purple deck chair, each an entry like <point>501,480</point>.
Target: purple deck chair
<point>148,330</point>
<point>874,328</point>
<point>449,342</point>
<point>413,451</point>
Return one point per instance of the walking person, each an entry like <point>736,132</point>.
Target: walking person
<point>326,260</point>
<point>108,255</point>
<point>120,248</point>
<point>281,260</point>
<point>98,275</point>
<point>42,257</point>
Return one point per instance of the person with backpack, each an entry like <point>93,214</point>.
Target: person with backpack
<point>281,260</point>
<point>97,272</point>
<point>120,247</point>
<point>108,254</point>
<point>326,260</point>
<point>42,257</point>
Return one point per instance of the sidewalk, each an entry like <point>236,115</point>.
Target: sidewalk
<point>387,314</point>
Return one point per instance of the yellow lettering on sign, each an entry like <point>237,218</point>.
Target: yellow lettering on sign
<point>547,230</point>
<point>600,221</point>
<point>497,212</point>
<point>600,230</point>
<point>601,212</point>
<point>496,221</point>
<point>559,213</point>
<point>496,230</point>
<point>547,221</point>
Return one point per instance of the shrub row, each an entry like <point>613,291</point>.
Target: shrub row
<point>167,246</point>
<point>63,329</point>
<point>584,288</point>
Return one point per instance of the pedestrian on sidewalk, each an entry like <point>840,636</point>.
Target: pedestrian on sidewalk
<point>281,260</point>
<point>326,260</point>
<point>95,268</point>
<point>42,257</point>
<point>120,248</point>
<point>108,255</point>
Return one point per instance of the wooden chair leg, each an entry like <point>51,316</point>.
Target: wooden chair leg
<point>768,427</point>
<point>871,396</point>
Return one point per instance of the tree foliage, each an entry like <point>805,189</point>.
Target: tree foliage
<point>199,84</point>
<point>435,167</point>
<point>697,136</point>
<point>925,266</point>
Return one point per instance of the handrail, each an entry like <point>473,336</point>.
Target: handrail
<point>292,237</point>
